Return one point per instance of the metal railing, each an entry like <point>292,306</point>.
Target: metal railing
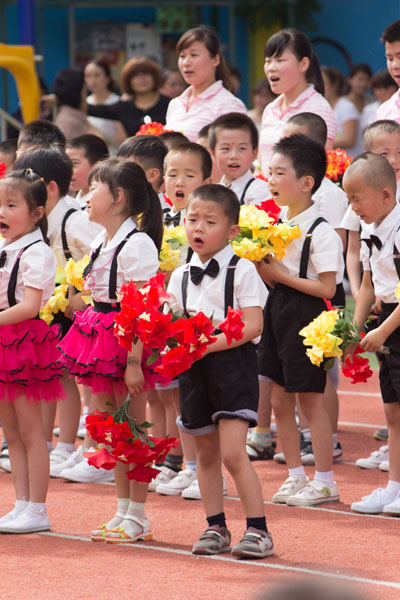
<point>5,118</point>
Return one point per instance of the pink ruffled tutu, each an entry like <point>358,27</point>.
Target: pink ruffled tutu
<point>92,354</point>
<point>28,362</point>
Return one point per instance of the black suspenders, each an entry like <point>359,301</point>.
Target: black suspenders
<point>246,187</point>
<point>305,253</point>
<point>12,284</point>
<point>67,252</point>
<point>229,280</point>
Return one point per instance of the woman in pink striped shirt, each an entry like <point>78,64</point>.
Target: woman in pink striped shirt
<point>203,67</point>
<point>293,71</point>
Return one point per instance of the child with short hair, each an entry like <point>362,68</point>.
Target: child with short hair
<point>391,39</point>
<point>219,392</point>
<point>187,166</point>
<point>40,133</point>
<point>85,151</point>
<point>172,138</point>
<point>8,153</point>
<point>370,183</point>
<point>70,235</point>
<point>233,141</point>
<point>202,139</point>
<point>301,280</point>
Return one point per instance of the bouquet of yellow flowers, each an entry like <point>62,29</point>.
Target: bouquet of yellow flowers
<point>261,235</point>
<point>58,302</point>
<point>320,335</point>
<point>174,242</point>
<point>74,271</point>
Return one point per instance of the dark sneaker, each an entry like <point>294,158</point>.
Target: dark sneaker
<point>307,454</point>
<point>255,452</point>
<point>381,435</point>
<point>215,540</point>
<point>254,544</point>
<point>337,453</point>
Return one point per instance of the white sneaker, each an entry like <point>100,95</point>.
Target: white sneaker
<point>56,431</point>
<point>58,456</point>
<point>193,491</point>
<point>291,486</point>
<point>384,466</point>
<point>279,457</point>
<point>27,522</point>
<point>393,508</point>
<point>72,460</point>
<point>13,514</point>
<point>374,459</point>
<point>85,473</point>
<point>177,484</point>
<point>82,428</point>
<point>5,465</point>
<point>315,492</point>
<point>374,503</point>
<point>164,476</point>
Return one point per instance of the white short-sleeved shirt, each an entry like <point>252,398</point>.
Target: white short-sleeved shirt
<point>345,110</point>
<point>137,261</point>
<point>390,109</point>
<point>78,230</point>
<point>37,267</point>
<point>215,101</point>
<point>350,221</point>
<point>332,202</point>
<point>273,120</point>
<point>381,263</point>
<point>208,296</point>
<point>326,249</point>
<point>257,192</point>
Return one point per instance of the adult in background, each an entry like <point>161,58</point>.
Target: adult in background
<point>70,92</point>
<point>208,96</point>
<point>141,80</point>
<point>173,83</point>
<point>293,71</point>
<point>261,96</point>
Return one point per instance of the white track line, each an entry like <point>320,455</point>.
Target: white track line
<point>265,565</point>
<point>369,425</point>
<point>372,394</point>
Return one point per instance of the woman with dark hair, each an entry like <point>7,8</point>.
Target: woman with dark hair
<point>141,80</point>
<point>99,82</point>
<point>208,96</point>
<point>293,71</point>
<point>70,92</point>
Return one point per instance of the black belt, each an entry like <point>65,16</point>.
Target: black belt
<point>106,307</point>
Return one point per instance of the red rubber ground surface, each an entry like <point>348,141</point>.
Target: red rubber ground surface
<point>65,564</point>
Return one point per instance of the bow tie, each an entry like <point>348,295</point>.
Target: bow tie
<point>93,257</point>
<point>197,273</point>
<point>3,258</point>
<point>371,241</point>
<point>175,220</point>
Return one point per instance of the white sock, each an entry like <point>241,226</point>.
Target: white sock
<point>136,509</point>
<point>123,504</point>
<point>49,446</point>
<point>37,508</point>
<point>299,471</point>
<point>393,487</point>
<point>66,446</point>
<point>21,505</point>
<point>334,439</point>
<point>325,476</point>
<point>306,434</point>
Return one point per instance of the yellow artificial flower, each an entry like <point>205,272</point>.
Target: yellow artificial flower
<point>397,291</point>
<point>253,218</point>
<point>318,334</point>
<point>176,233</point>
<point>169,258</point>
<point>279,236</point>
<point>74,271</point>
<point>58,302</point>
<point>60,275</point>
<point>249,249</point>
<point>315,355</point>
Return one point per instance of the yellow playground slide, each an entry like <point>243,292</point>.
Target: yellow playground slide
<point>19,60</point>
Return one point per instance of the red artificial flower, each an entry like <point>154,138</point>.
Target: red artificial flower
<point>357,368</point>
<point>329,305</point>
<point>142,473</point>
<point>155,332</point>
<point>3,169</point>
<point>198,330</point>
<point>174,362</point>
<point>163,445</point>
<point>270,207</point>
<point>262,177</point>
<point>152,128</point>
<point>233,325</point>
<point>167,200</point>
<point>101,459</point>
<point>156,295</point>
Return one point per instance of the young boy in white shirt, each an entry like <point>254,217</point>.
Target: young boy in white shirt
<point>85,151</point>
<point>219,393</point>
<point>233,140</point>
<point>370,184</point>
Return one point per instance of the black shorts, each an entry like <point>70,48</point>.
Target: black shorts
<point>281,353</point>
<point>63,321</point>
<point>389,371</point>
<point>222,385</point>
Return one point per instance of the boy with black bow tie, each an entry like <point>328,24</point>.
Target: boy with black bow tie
<point>219,393</point>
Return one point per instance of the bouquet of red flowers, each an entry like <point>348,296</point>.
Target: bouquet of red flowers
<point>126,442</point>
<point>151,128</point>
<point>338,161</point>
<point>171,343</point>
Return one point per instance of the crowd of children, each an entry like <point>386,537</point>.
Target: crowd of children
<point>61,201</point>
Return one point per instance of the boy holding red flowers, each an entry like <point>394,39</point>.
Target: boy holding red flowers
<point>370,184</point>
<point>219,393</point>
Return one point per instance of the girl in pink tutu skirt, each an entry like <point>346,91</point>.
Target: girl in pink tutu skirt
<point>119,193</point>
<point>29,372</point>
